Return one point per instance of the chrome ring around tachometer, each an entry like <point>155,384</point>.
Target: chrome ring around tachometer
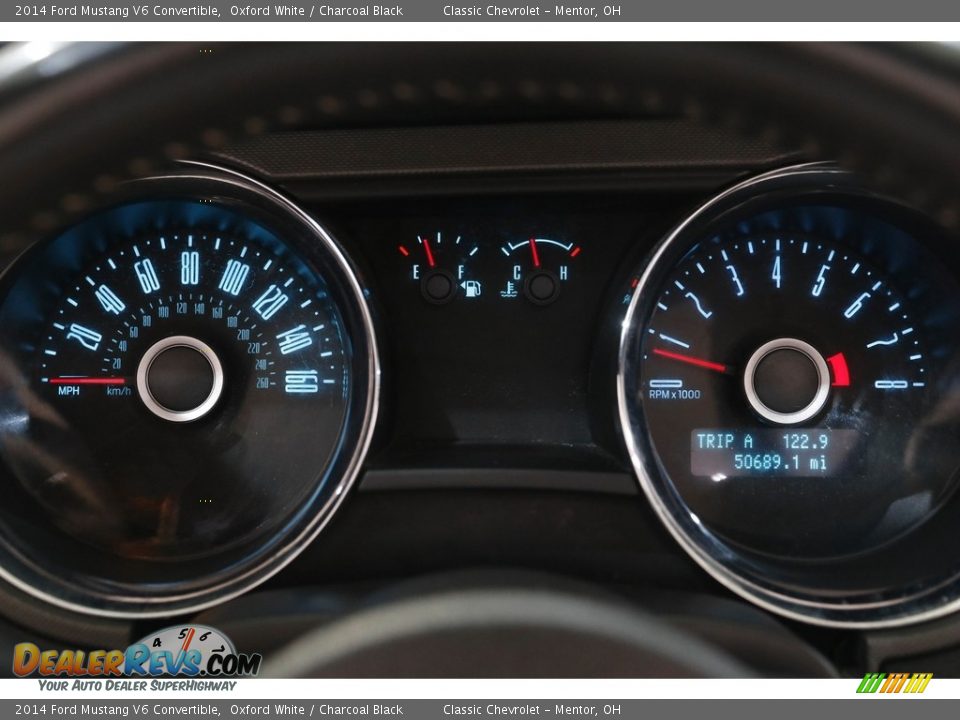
<point>819,396</point>
<point>819,512</point>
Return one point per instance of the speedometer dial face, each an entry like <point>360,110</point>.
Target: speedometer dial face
<point>788,392</point>
<point>181,384</point>
<point>141,321</point>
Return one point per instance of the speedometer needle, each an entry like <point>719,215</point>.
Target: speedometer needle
<point>718,367</point>
<point>87,381</point>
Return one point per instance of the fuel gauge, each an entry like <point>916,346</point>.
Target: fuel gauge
<point>441,267</point>
<point>540,269</point>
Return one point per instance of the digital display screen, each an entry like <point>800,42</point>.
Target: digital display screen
<point>749,452</point>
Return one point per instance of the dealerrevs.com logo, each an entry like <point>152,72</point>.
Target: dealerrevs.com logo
<point>183,651</point>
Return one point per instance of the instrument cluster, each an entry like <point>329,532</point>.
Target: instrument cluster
<point>191,377</point>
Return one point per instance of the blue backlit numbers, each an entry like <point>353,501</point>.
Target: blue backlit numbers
<point>147,276</point>
<point>269,304</point>
<point>234,276</point>
<point>736,280</point>
<point>821,281</point>
<point>90,339</point>
<point>892,340</point>
<point>294,339</point>
<point>190,267</point>
<point>109,300</point>
<point>856,305</point>
<point>699,305</point>
<point>231,294</point>
<point>302,382</point>
<point>776,275</point>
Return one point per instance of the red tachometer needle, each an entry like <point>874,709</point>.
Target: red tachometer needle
<point>691,360</point>
<point>426,247</point>
<point>533,251</point>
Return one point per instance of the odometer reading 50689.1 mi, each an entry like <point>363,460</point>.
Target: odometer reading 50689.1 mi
<point>788,392</point>
<point>781,370</point>
<point>722,454</point>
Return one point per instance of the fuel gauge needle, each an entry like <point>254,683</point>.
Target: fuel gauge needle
<point>426,248</point>
<point>690,360</point>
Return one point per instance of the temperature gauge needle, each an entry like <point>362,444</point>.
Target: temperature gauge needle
<point>717,367</point>
<point>533,251</point>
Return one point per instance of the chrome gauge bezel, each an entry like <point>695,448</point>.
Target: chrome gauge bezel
<point>754,579</point>
<point>313,241</point>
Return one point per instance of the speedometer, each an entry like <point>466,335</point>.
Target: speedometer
<point>188,388</point>
<point>787,380</point>
<point>165,318</point>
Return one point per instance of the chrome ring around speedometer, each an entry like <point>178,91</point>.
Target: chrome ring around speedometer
<point>787,387</point>
<point>189,385</point>
<point>211,381</point>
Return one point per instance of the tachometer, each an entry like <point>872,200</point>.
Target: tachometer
<point>189,379</point>
<point>786,369</point>
<point>774,354</point>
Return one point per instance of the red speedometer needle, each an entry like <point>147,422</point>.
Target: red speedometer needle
<point>533,251</point>
<point>691,360</point>
<point>88,381</point>
<point>426,248</point>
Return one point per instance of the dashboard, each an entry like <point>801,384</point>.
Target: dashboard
<point>264,381</point>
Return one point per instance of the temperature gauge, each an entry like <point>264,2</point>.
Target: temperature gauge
<point>540,268</point>
<point>440,267</point>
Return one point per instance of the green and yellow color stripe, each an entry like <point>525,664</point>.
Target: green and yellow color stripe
<point>894,682</point>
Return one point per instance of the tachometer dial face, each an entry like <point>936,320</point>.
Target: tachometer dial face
<point>180,380</point>
<point>786,358</point>
<point>787,388</point>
